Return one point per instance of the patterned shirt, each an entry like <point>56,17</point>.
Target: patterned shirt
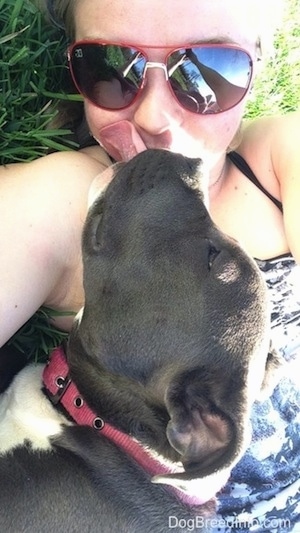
<point>263,492</point>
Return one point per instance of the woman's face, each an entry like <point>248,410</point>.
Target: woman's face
<point>156,120</point>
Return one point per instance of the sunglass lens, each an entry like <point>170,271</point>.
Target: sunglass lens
<point>108,75</point>
<point>209,79</point>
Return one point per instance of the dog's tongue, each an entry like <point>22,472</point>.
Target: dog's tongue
<point>121,140</point>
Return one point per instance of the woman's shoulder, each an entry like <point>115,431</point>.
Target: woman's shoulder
<point>270,145</point>
<point>58,167</point>
<point>43,206</point>
<point>52,195</point>
<point>270,129</point>
<point>49,185</point>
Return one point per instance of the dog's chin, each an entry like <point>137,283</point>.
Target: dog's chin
<point>203,489</point>
<point>205,462</point>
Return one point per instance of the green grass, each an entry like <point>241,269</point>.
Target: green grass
<point>32,77</point>
<point>37,338</point>
<point>277,87</point>
<point>31,74</point>
<point>31,80</point>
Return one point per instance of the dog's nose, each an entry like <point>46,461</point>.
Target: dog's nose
<point>158,167</point>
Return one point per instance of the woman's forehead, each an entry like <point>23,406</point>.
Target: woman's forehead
<point>168,22</point>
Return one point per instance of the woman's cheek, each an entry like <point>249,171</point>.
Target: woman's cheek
<point>206,136</point>
<point>218,131</point>
<point>98,118</point>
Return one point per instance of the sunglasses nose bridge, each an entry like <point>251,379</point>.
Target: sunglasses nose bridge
<point>155,64</point>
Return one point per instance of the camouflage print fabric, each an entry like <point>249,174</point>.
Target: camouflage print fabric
<point>263,493</point>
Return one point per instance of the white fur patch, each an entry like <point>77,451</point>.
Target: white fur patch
<point>78,317</point>
<point>26,414</point>
<point>99,183</point>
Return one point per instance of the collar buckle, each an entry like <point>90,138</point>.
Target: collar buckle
<point>62,383</point>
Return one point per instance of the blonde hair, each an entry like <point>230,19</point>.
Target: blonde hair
<point>269,18</point>
<point>65,11</point>
<point>60,13</point>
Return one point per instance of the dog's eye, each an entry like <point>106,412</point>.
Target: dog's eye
<point>212,255</point>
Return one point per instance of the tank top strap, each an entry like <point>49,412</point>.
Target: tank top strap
<point>243,166</point>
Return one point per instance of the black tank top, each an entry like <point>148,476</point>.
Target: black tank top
<point>243,166</point>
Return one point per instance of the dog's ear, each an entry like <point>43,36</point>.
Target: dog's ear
<point>198,435</point>
<point>207,438</point>
<point>91,240</point>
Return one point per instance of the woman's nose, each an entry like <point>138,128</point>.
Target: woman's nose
<point>156,110</point>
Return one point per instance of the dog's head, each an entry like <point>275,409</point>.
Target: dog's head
<point>175,317</point>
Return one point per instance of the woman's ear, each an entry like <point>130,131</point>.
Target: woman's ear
<point>270,18</point>
<point>258,49</point>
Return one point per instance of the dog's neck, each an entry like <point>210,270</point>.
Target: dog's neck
<point>62,390</point>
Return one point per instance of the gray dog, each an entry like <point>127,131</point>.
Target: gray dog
<point>140,423</point>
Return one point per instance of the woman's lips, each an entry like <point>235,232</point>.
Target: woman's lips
<point>121,140</point>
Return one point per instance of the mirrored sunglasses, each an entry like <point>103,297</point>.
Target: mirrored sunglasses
<point>203,78</point>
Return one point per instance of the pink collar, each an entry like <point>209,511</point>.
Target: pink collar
<point>61,389</point>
